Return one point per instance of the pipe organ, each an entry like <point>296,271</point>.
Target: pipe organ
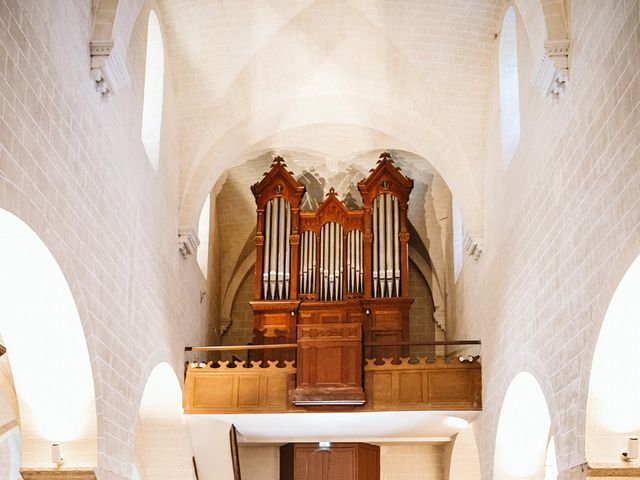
<point>332,278</point>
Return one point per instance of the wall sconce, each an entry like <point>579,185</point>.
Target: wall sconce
<point>293,313</point>
<point>367,312</point>
<point>632,449</point>
<point>56,453</point>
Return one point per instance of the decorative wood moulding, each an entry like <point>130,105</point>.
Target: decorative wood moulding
<point>551,74</point>
<point>440,385</point>
<point>108,70</point>
<point>187,241</point>
<point>609,470</point>
<point>58,473</point>
<point>473,244</point>
<point>407,384</point>
<point>256,389</point>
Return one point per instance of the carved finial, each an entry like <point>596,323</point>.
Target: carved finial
<point>385,156</point>
<point>278,161</point>
<point>332,192</point>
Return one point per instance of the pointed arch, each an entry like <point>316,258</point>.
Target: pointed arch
<point>38,314</point>
<point>153,91</point>
<point>509,87</point>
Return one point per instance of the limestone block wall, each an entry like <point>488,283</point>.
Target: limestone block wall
<point>562,224</point>
<point>412,462</point>
<point>75,170</point>
<point>259,462</point>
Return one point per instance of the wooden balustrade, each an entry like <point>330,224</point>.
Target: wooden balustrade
<point>389,384</point>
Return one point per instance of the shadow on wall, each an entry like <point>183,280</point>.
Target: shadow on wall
<point>613,404</point>
<point>38,316</point>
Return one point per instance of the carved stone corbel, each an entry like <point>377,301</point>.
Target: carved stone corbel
<point>473,244</point>
<point>187,241</point>
<point>107,68</point>
<point>552,72</point>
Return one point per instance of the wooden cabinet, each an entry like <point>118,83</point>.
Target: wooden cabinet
<point>341,461</point>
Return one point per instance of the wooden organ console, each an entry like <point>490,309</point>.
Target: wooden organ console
<point>332,279</point>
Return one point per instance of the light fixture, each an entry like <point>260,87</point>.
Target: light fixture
<point>56,453</point>
<point>324,444</point>
<point>632,449</point>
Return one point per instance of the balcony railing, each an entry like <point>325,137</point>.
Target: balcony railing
<point>393,379</point>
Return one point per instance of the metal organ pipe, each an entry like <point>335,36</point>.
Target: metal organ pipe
<point>374,250</point>
<point>266,251</point>
<point>273,257</point>
<point>307,262</point>
<point>396,244</point>
<point>386,246</point>
<point>388,243</point>
<point>287,247</point>
<point>281,246</point>
<point>354,261</point>
<point>276,263</point>
<point>382,259</point>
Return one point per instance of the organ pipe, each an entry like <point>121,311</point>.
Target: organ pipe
<point>386,246</point>
<point>307,263</point>
<point>267,249</point>
<point>277,250</point>
<point>354,261</point>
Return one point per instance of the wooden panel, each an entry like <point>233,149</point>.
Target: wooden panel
<point>368,462</point>
<point>235,390</point>
<point>383,388</point>
<point>248,391</point>
<point>214,392</point>
<point>342,461</point>
<point>275,385</point>
<point>449,387</point>
<point>329,370</point>
<point>443,385</point>
<point>411,387</point>
<point>330,364</point>
<point>341,464</point>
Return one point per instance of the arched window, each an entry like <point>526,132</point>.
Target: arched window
<point>509,89</point>
<point>457,239</point>
<point>153,91</point>
<point>203,236</point>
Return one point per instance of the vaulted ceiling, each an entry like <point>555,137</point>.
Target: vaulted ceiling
<point>253,74</point>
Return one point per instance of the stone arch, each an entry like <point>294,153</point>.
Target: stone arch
<point>433,282</point>
<point>161,423</point>
<point>103,14</point>
<point>556,18</point>
<point>523,429</point>
<point>239,275</point>
<point>430,141</point>
<point>57,399</point>
<point>613,395</point>
<point>464,463</point>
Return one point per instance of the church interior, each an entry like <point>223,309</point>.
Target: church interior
<point>319,239</point>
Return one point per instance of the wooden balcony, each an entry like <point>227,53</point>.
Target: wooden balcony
<point>391,384</point>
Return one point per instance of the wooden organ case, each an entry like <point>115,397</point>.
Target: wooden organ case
<point>332,279</point>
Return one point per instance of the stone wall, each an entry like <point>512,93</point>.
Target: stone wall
<point>412,462</point>
<point>73,167</point>
<point>562,224</point>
